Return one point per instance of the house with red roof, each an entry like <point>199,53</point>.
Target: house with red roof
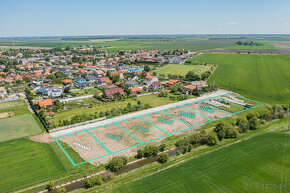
<point>104,80</point>
<point>44,103</point>
<point>109,93</point>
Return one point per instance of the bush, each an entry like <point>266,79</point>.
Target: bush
<point>151,150</point>
<point>50,186</point>
<point>61,190</point>
<point>177,152</point>
<point>107,176</point>
<point>162,147</point>
<point>140,153</point>
<point>117,163</point>
<point>163,158</point>
<point>93,181</point>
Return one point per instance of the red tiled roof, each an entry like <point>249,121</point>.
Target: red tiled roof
<point>110,92</point>
<point>136,89</point>
<point>190,87</point>
<point>105,79</point>
<point>66,81</point>
<point>41,103</point>
<point>149,76</point>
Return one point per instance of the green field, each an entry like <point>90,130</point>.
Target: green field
<point>19,107</point>
<point>181,69</point>
<point>17,127</point>
<point>132,44</point>
<point>253,165</point>
<point>21,125</point>
<point>24,162</point>
<point>243,47</point>
<point>262,77</point>
<point>152,99</point>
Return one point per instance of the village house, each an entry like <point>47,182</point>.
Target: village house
<point>47,103</point>
<point>50,92</point>
<point>189,89</point>
<point>131,83</point>
<point>109,93</point>
<point>149,80</point>
<point>155,86</point>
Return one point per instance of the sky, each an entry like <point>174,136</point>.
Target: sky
<point>125,17</point>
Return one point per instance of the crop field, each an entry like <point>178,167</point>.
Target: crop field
<point>182,69</point>
<point>265,46</point>
<point>97,145</point>
<point>261,77</point>
<point>21,125</point>
<point>24,162</point>
<point>129,44</point>
<point>259,164</point>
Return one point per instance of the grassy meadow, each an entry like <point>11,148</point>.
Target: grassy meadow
<point>24,163</point>
<point>252,165</point>
<point>261,77</point>
<point>21,125</point>
<point>181,69</point>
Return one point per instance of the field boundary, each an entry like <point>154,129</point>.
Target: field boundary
<point>166,133</point>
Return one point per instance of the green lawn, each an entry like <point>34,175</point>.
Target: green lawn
<point>17,127</point>
<point>19,107</point>
<point>182,69</point>
<point>24,163</point>
<point>21,125</point>
<point>262,77</point>
<point>253,165</point>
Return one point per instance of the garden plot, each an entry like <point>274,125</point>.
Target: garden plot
<point>203,109</point>
<point>166,122</point>
<point>85,145</point>
<point>113,138</point>
<point>224,105</point>
<point>187,116</point>
<point>141,129</point>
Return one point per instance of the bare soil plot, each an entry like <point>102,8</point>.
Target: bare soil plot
<point>159,119</point>
<point>239,100</point>
<point>187,116</point>
<point>7,114</point>
<point>215,115</point>
<point>42,138</point>
<point>143,136</point>
<point>106,136</point>
<point>85,145</point>
<point>224,104</point>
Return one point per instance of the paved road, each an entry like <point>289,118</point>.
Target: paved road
<point>135,114</point>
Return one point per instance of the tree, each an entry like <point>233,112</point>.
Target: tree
<point>162,147</point>
<point>243,125</point>
<point>66,89</point>
<point>192,76</point>
<point>151,150</point>
<point>254,123</point>
<point>163,158</point>
<point>140,153</point>
<point>220,130</point>
<point>146,68</point>
<point>117,163</point>
<point>211,139</point>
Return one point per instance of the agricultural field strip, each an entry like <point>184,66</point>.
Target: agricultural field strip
<point>167,134</point>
